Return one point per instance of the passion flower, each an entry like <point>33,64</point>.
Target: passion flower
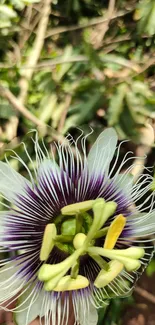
<point>75,230</point>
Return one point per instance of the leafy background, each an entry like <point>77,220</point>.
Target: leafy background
<point>80,64</point>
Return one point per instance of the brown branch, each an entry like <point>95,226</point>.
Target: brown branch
<point>82,58</point>
<point>146,142</point>
<point>77,58</point>
<point>95,21</point>
<point>27,31</point>
<point>63,116</point>
<point>145,294</point>
<point>36,50</point>
<point>103,28</point>
<point>18,106</point>
<point>16,103</point>
<point>27,75</point>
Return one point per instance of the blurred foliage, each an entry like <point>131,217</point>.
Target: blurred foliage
<point>93,71</point>
<point>112,314</point>
<point>109,78</point>
<point>151,268</point>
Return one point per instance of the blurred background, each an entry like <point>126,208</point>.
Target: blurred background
<point>81,64</point>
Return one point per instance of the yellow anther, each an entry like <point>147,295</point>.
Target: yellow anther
<point>130,263</point>
<point>131,252</point>
<point>48,241</point>
<point>79,240</point>
<point>105,277</point>
<point>75,208</point>
<point>48,271</point>
<point>114,231</point>
<point>67,283</point>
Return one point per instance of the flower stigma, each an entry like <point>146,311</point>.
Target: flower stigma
<point>80,231</point>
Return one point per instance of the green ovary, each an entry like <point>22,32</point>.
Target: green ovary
<point>68,227</point>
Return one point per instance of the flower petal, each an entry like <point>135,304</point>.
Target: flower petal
<point>29,306</point>
<point>142,224</point>
<point>91,318</point>
<point>10,284</point>
<point>124,182</point>
<point>12,183</point>
<point>102,152</point>
<point>47,165</point>
<point>3,216</point>
<point>52,183</point>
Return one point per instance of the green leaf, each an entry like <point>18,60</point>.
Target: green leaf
<point>6,110</point>
<point>116,105</point>
<point>47,107</point>
<point>7,11</point>
<point>84,110</point>
<point>151,268</point>
<point>61,69</point>
<point>146,11</point>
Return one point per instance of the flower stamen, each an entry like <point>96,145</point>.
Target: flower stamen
<point>48,241</point>
<point>114,231</point>
<point>73,209</point>
<point>102,212</point>
<point>67,283</point>
<point>106,276</point>
<point>129,257</point>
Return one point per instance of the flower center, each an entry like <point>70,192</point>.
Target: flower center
<point>73,219</point>
<point>79,230</point>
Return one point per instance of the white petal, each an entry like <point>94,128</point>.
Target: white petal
<point>143,224</point>
<point>10,284</point>
<point>124,182</point>
<point>11,182</point>
<point>46,166</point>
<point>48,173</point>
<point>3,217</point>
<point>29,306</point>
<point>102,152</point>
<point>91,318</point>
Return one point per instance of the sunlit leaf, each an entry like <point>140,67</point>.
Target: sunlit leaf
<point>116,104</point>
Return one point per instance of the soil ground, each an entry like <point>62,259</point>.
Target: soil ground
<point>142,312</point>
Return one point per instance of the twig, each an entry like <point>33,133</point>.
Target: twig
<point>63,116</point>
<point>149,63</point>
<point>143,149</point>
<point>101,30</point>
<point>60,60</point>
<point>145,294</point>
<point>36,50</point>
<point>82,58</point>
<point>95,21</point>
<point>28,31</point>
<point>16,103</point>
<point>27,74</point>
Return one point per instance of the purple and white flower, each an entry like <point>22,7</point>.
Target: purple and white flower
<point>78,231</point>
